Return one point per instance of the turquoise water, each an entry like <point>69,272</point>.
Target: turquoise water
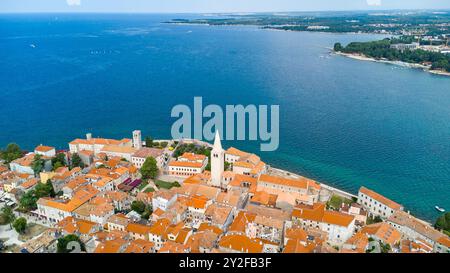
<point>343,122</point>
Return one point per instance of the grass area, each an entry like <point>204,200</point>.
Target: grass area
<point>143,185</point>
<point>336,201</point>
<point>149,190</point>
<point>32,231</point>
<point>166,185</point>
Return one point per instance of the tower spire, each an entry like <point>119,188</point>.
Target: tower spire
<point>217,143</point>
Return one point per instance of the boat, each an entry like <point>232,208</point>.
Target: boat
<point>439,209</point>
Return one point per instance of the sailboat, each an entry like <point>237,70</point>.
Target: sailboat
<point>439,209</point>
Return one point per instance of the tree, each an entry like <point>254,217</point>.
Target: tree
<point>30,198</point>
<point>149,168</point>
<point>76,161</point>
<point>38,164</point>
<point>8,215</point>
<point>63,245</point>
<point>12,152</point>
<point>443,222</point>
<point>148,141</point>
<point>20,225</point>
<point>337,47</point>
<point>138,206</point>
<point>59,161</point>
<point>28,201</point>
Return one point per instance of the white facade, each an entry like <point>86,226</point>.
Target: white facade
<point>217,162</point>
<point>163,203</point>
<point>376,206</point>
<point>137,139</point>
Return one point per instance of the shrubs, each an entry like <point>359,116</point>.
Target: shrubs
<point>20,225</point>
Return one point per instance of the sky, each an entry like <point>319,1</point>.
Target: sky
<point>211,6</point>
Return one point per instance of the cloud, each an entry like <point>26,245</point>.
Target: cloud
<point>73,2</point>
<point>374,2</point>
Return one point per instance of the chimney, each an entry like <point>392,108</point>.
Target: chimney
<point>88,136</point>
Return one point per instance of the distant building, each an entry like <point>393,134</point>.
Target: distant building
<point>403,47</point>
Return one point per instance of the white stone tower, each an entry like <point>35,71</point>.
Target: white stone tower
<point>217,162</point>
<point>137,139</point>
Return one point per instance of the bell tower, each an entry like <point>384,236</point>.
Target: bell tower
<point>217,162</point>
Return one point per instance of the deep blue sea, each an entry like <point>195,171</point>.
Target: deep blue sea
<point>343,122</point>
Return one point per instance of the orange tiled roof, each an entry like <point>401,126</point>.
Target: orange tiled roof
<point>241,243</point>
<point>236,152</point>
<point>317,213</point>
<point>138,228</point>
<point>43,149</point>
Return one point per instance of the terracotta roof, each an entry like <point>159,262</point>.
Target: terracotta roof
<point>148,152</point>
<point>140,246</point>
<point>317,213</point>
<point>138,228</point>
<point>380,198</point>
<point>384,232</point>
<point>119,149</point>
<point>100,141</point>
<point>303,183</point>
<point>264,198</point>
<point>111,246</point>
<point>30,183</point>
<point>241,243</point>
<point>236,152</point>
<point>404,219</point>
<point>43,149</point>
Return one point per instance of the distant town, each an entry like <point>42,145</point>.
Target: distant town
<point>420,39</point>
<point>136,195</point>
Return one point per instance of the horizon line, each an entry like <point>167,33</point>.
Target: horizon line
<point>217,12</point>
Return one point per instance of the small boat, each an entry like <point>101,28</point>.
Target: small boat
<point>439,209</point>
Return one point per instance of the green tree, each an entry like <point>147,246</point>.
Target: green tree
<point>149,168</point>
<point>45,189</point>
<point>148,141</point>
<point>38,164</point>
<point>29,199</point>
<point>59,161</point>
<point>63,243</point>
<point>12,152</point>
<point>8,215</point>
<point>20,225</point>
<point>138,206</point>
<point>76,161</point>
<point>443,222</point>
<point>337,47</point>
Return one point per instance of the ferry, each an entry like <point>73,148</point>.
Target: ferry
<point>439,209</point>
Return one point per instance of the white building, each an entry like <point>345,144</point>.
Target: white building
<point>217,162</point>
<point>45,151</point>
<point>139,157</point>
<point>163,199</point>
<point>96,144</point>
<point>376,204</point>
<point>188,164</point>
<point>414,228</point>
<point>339,226</point>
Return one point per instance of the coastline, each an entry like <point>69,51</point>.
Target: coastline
<point>362,57</point>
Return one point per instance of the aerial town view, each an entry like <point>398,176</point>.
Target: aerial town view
<point>228,128</point>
